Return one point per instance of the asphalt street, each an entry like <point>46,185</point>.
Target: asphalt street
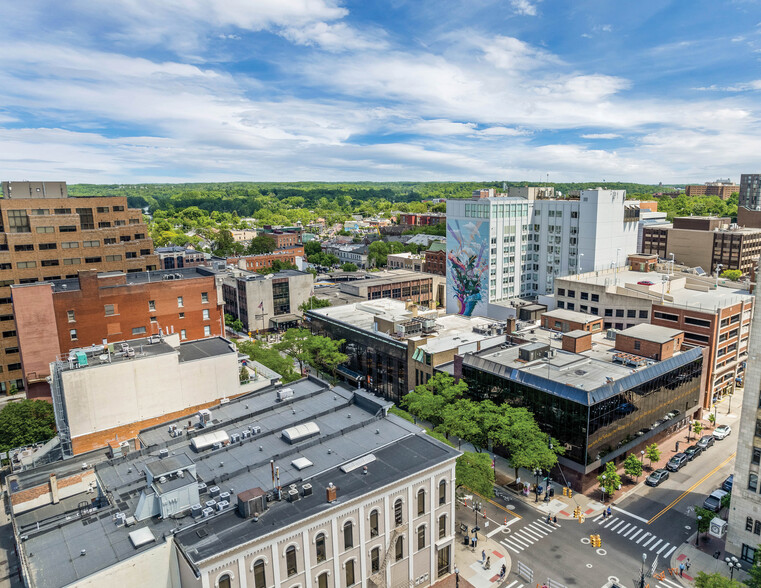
<point>650,521</point>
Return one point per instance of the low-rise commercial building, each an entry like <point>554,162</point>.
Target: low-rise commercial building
<point>405,260</point>
<point>93,308</point>
<point>355,253</point>
<point>305,485</point>
<point>713,316</point>
<point>252,263</point>
<point>177,257</point>
<point>395,284</point>
<point>424,219</point>
<point>436,259</point>
<point>600,398</point>
<point>721,188</point>
<point>266,302</point>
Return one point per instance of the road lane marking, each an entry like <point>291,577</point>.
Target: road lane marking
<point>641,538</point>
<point>656,544</point>
<point>531,533</point>
<point>622,529</point>
<point>635,534</point>
<point>597,518</point>
<point>618,524</point>
<point>498,505</point>
<point>691,488</point>
<point>646,543</point>
<point>510,547</point>
<point>665,546</point>
<point>627,513</point>
<point>670,551</point>
<point>609,523</point>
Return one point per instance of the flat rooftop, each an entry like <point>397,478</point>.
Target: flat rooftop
<point>571,315</point>
<point>389,277</point>
<point>587,377</point>
<point>351,425</point>
<point>681,289</point>
<point>652,333</point>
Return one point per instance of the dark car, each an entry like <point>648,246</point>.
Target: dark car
<point>727,484</point>
<point>693,451</point>
<point>706,441</point>
<point>657,477</point>
<point>676,462</point>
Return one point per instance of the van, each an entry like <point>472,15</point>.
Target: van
<point>713,502</point>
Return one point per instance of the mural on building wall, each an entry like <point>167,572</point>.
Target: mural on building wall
<point>467,266</point>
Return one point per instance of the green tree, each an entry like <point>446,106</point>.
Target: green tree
<point>269,357</point>
<point>237,325</point>
<point>244,375</point>
<point>697,427</point>
<point>716,580</point>
<point>225,245</point>
<point>712,419</point>
<point>733,275</point>
<point>229,319</point>
<point>326,353</point>
<point>264,243</point>
<point>474,471</point>
<point>609,480</point>
<point>312,247</point>
<point>295,342</point>
<point>314,302</point>
<point>653,453</point>
<point>632,466</point>
<point>427,401</point>
<point>26,422</point>
<point>706,516</point>
<point>349,267</point>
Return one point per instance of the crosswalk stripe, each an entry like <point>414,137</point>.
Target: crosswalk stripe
<point>656,544</point>
<point>611,520</point>
<point>649,541</point>
<point>539,529</point>
<point>513,584</point>
<point>618,524</point>
<point>527,536</point>
<point>665,546</point>
<point>510,547</point>
<point>622,529</point>
<point>520,540</point>
<point>641,538</point>
<point>539,533</point>
<point>670,551</point>
<point>670,583</point>
<point>629,531</point>
<point>597,519</point>
<point>635,534</point>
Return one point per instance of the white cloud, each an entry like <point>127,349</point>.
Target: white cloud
<point>601,136</point>
<point>524,7</point>
<point>741,87</point>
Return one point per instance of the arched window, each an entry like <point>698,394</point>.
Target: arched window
<point>421,502</point>
<point>320,548</point>
<point>442,492</point>
<point>398,511</point>
<point>442,526</point>
<point>350,572</point>
<point>260,578</point>
<point>322,580</point>
<point>290,561</point>
<point>752,482</point>
<point>224,581</point>
<point>375,559</point>
<point>374,530</point>
<point>421,537</point>
<point>348,535</point>
<point>399,551</point>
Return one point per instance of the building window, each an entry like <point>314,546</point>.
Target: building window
<point>183,334</point>
<point>46,229</point>
<point>752,482</point>
<point>182,315</point>
<point>637,345</point>
<point>398,512</point>
<point>320,548</point>
<point>49,262</point>
<point>72,261</point>
<point>756,458</point>
<point>180,302</point>
<point>110,309</point>
<point>151,305</point>
<point>26,264</point>
<point>104,224</point>
<point>70,316</point>
<point>130,255</point>
<point>399,548</point>
<point>207,331</point>
<point>374,524</point>
<point>421,537</point>
<point>224,582</point>
<point>322,580</point>
<point>749,524</point>
<point>260,578</point>
<point>442,526</point>
<point>18,221</point>
<point>204,297</point>
<point>350,572</point>
<point>48,246</point>
<point>93,259</point>
<point>113,257</point>
<point>442,492</point>
<point>118,209</point>
<point>421,502</point>
<point>290,561</point>
<point>70,245</point>
<point>138,331</point>
<point>643,314</point>
<point>631,313</point>
<point>206,314</point>
<point>619,312</point>
<point>73,334</point>
<point>109,241</point>
<point>584,295</point>
<point>86,221</point>
<point>348,535</point>
<point>375,560</point>
<point>757,528</point>
<point>67,229</point>
<point>748,554</point>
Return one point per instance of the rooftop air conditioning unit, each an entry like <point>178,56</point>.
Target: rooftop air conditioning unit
<point>163,453</point>
<point>256,430</point>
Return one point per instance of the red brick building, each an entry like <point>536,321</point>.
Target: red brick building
<point>426,219</point>
<point>284,240</point>
<point>436,259</point>
<point>97,307</point>
<point>256,262</point>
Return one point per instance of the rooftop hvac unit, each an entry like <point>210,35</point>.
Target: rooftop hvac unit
<point>180,473</point>
<point>196,510</point>
<point>256,430</point>
<point>235,437</point>
<point>306,490</point>
<point>162,480</point>
<point>201,487</point>
<point>163,453</point>
<point>210,503</point>
<point>207,512</point>
<point>214,491</point>
<point>251,502</point>
<point>245,434</point>
<point>217,445</point>
<point>284,393</point>
<point>293,495</point>
<point>120,518</point>
<point>222,504</point>
<point>224,496</point>
<point>204,417</point>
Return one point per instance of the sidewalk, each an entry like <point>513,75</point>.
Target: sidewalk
<point>702,559</point>
<point>468,560</point>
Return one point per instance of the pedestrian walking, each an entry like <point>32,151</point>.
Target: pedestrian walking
<point>555,520</point>
<point>502,571</point>
<point>681,569</point>
<point>604,514</point>
<point>549,519</point>
<point>487,565</point>
<point>473,542</point>
<point>609,511</point>
<point>687,564</point>
<point>483,556</point>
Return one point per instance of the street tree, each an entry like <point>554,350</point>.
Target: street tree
<point>427,401</point>
<point>716,580</point>
<point>609,480</point>
<point>237,325</point>
<point>697,427</point>
<point>653,453</point>
<point>705,518</point>
<point>526,445</point>
<point>26,422</point>
<point>474,471</point>
<point>349,267</point>
<point>313,302</point>
<point>633,466</point>
<point>271,358</point>
<point>712,419</point>
<point>733,275</point>
<point>326,353</point>
<point>264,243</point>
<point>295,342</point>
<point>312,247</point>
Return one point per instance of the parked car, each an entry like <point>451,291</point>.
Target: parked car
<point>727,484</point>
<point>693,451</point>
<point>722,431</point>
<point>706,441</point>
<point>713,502</point>
<point>677,461</point>
<point>657,477</point>
<point>646,283</point>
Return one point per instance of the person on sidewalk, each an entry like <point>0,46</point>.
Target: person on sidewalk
<point>502,571</point>
<point>609,511</point>
<point>549,518</point>
<point>687,564</point>
<point>681,569</point>
<point>483,556</point>
<point>487,565</point>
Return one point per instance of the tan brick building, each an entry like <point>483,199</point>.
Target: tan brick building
<point>46,235</point>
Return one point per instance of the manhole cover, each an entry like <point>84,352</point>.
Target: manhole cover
<point>510,507</point>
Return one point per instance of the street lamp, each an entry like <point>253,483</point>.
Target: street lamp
<point>672,263</point>
<point>718,269</point>
<point>456,577</point>
<point>537,473</point>
<point>642,571</point>
<point>642,454</point>
<point>603,488</point>
<point>715,416</point>
<point>733,564</point>
<point>476,528</point>
<point>697,535</point>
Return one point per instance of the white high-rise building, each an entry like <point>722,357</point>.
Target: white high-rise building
<point>499,247</point>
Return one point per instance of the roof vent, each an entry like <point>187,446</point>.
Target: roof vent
<point>300,432</point>
<point>301,463</point>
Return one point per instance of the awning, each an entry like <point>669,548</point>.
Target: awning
<point>285,318</point>
<point>351,375</point>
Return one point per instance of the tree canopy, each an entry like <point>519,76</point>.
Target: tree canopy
<point>25,423</point>
<point>270,357</point>
<point>474,471</point>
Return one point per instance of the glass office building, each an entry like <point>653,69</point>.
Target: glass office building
<point>595,423</point>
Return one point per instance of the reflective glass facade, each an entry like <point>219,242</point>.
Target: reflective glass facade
<point>593,430</point>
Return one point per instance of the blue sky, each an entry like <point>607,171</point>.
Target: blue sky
<point>328,90</point>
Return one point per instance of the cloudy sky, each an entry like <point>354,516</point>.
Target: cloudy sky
<point>332,90</point>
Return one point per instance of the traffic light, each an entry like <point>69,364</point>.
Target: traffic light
<point>570,493</point>
<point>565,491</point>
<point>577,512</point>
<point>595,540</point>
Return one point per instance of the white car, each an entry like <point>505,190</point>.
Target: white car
<point>722,431</point>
